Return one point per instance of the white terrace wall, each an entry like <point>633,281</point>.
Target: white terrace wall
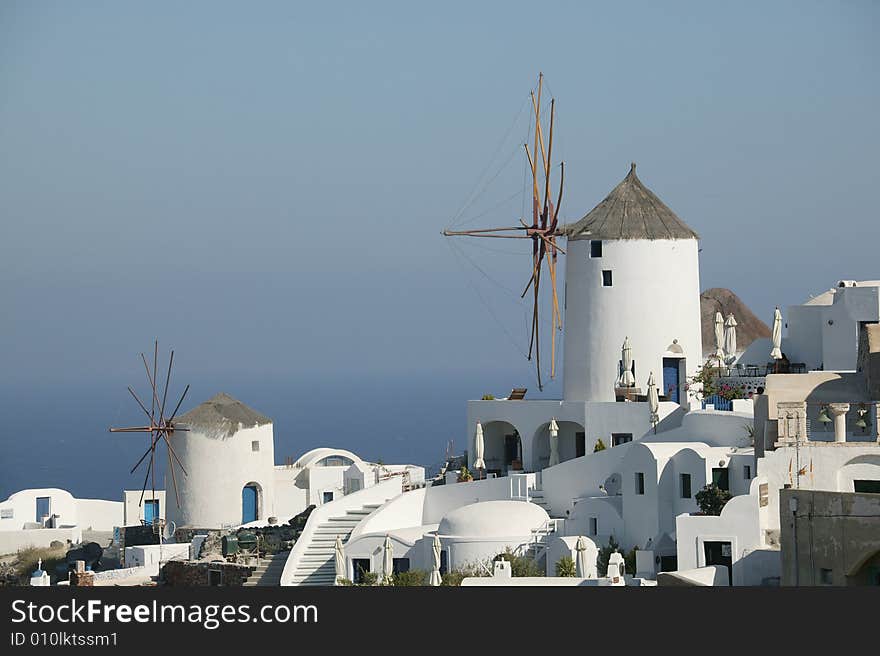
<point>531,419</point>
<point>21,508</point>
<point>379,493</point>
<point>12,541</point>
<point>429,505</point>
<point>580,477</point>
<point>743,523</point>
<point>99,514</point>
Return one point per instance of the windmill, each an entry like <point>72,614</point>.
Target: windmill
<point>542,230</point>
<point>160,427</point>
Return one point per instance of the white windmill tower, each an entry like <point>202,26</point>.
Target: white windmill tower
<point>631,269</point>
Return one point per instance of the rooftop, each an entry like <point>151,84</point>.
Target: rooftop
<point>224,414</point>
<point>630,211</point>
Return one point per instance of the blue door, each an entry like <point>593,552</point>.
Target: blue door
<point>151,510</point>
<point>43,507</point>
<point>248,504</point>
<point>670,378</point>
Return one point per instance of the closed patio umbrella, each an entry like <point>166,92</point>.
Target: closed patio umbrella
<point>581,561</point>
<point>436,548</point>
<point>554,443</point>
<point>478,448</point>
<point>387,559</point>
<point>776,351</point>
<point>730,338</point>
<point>719,338</point>
<point>340,560</point>
<point>653,401</point>
<point>626,376</point>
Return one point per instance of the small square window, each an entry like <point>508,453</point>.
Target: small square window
<point>606,278</point>
<point>620,438</point>
<point>640,483</point>
<point>685,486</point>
<point>596,248</point>
<point>826,576</point>
<point>594,526</point>
<point>255,445</point>
<point>328,497</point>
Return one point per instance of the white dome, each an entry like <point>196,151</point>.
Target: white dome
<point>493,519</point>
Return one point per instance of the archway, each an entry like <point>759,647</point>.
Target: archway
<point>572,443</point>
<point>250,502</point>
<point>502,448</point>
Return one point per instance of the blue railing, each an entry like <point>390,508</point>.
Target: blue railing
<point>719,402</point>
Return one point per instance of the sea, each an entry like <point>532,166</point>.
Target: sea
<point>55,434</point>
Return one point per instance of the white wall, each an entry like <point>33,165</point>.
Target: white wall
<point>150,556</point>
<point>559,547</point>
<point>23,507</point>
<point>12,541</point>
<point>742,523</point>
<point>133,509</point>
<point>218,468</point>
<point>654,299</point>
<point>531,419</point>
<point>99,514</point>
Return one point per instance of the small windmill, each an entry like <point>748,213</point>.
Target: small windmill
<point>160,427</point>
<point>542,231</point>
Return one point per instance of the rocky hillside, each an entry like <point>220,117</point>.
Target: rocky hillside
<point>749,327</point>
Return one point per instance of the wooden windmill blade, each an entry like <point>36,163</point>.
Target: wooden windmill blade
<point>160,429</point>
<point>542,230</point>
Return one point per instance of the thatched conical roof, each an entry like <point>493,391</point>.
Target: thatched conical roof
<point>630,211</point>
<point>222,416</point>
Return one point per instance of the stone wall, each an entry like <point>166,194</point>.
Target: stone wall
<point>189,574</point>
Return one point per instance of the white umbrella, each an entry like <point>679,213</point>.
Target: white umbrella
<point>387,559</point>
<point>478,448</point>
<point>626,376</point>
<point>730,338</point>
<point>554,443</point>
<point>776,352</point>
<point>653,401</point>
<point>340,561</point>
<point>719,337</point>
<point>436,548</point>
<point>581,562</point>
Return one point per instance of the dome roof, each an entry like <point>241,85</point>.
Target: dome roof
<point>630,211</point>
<point>494,519</point>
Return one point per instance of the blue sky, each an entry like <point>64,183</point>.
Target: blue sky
<point>262,185</point>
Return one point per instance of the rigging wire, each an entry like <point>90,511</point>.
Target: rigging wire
<point>491,209</point>
<point>473,195</point>
<point>488,306</point>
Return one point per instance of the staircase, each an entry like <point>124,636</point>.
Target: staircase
<point>317,566</point>
<point>268,572</point>
<point>536,496</point>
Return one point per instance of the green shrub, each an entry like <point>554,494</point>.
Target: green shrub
<point>520,565</point>
<point>600,446</point>
<point>412,578</point>
<point>488,397</point>
<point>712,499</point>
<point>565,567</point>
<point>26,560</point>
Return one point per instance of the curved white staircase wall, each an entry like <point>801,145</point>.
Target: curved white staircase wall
<point>377,494</point>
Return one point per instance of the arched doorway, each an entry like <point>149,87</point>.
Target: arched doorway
<point>250,503</point>
<point>502,448</point>
<point>572,443</point>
